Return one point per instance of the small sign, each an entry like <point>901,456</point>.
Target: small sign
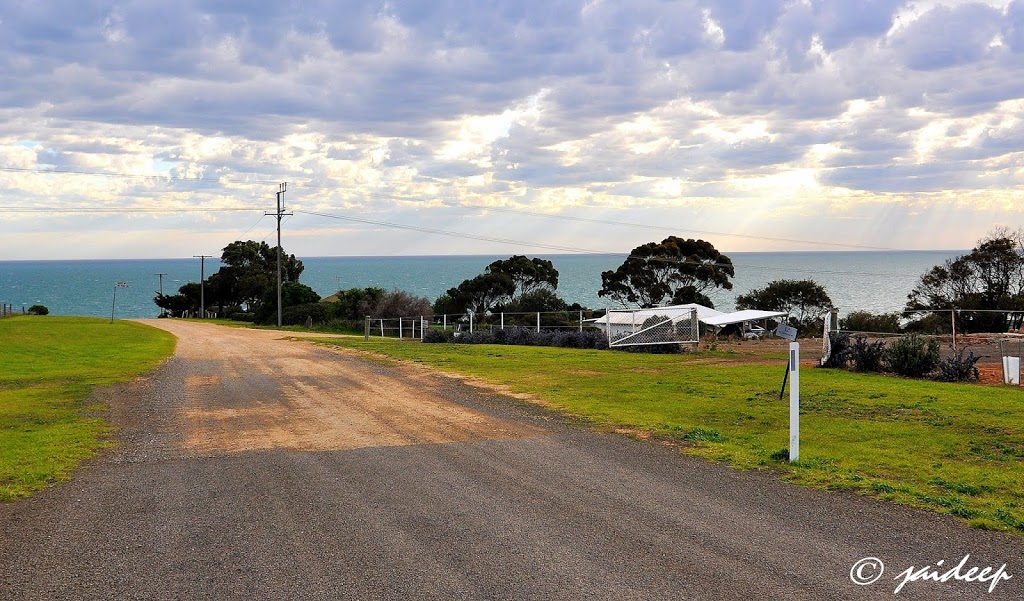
<point>787,332</point>
<point>122,284</point>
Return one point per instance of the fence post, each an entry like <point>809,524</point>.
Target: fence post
<point>399,328</point>
<point>608,324</point>
<point>502,320</point>
<point>444,322</point>
<point>470,323</point>
<point>695,329</point>
<point>538,322</point>
<point>952,321</point>
<point>366,330</point>
<point>421,327</point>
<point>581,321</point>
<point>834,321</point>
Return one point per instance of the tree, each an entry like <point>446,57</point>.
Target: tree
<point>249,271</point>
<point>356,303</point>
<point>805,301</point>
<point>990,277</point>
<point>175,304</point>
<point>479,294</point>
<point>865,321</point>
<point>527,275</point>
<point>296,293</point>
<point>674,269</point>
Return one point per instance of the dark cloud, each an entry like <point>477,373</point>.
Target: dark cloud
<point>944,37</point>
<point>356,72</point>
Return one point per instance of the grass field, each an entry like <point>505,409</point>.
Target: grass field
<point>954,448</point>
<point>50,365</point>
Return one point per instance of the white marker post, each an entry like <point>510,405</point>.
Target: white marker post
<point>794,401</point>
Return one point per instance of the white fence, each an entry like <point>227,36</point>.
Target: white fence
<point>415,326</point>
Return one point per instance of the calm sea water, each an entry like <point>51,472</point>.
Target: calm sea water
<point>872,281</point>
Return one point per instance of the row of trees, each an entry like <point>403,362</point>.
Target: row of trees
<point>245,283</point>
<point>673,271</point>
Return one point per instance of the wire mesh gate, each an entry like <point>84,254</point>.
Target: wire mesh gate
<point>646,328</point>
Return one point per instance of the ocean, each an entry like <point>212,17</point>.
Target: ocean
<point>876,281</point>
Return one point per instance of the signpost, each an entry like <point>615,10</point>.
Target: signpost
<point>113,302</point>
<point>793,373</point>
<point>789,333</point>
<point>794,401</point>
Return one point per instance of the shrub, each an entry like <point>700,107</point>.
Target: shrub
<point>435,336</point>
<point>38,310</point>
<point>241,316</point>
<point>958,368</point>
<point>913,355</point>
<point>840,354</point>
<point>866,356</point>
<point>864,321</point>
<point>592,339</point>
<point>300,315</point>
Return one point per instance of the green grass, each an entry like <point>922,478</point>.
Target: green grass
<point>953,448</point>
<point>49,367</point>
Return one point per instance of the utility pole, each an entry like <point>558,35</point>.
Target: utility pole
<point>202,283</point>
<point>281,189</point>
<point>161,291</point>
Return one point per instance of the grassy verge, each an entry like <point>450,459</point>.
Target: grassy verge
<point>50,365</point>
<point>954,448</point>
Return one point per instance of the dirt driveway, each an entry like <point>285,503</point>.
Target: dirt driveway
<point>256,467</point>
<point>261,391</point>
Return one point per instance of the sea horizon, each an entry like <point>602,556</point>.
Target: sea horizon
<point>871,280</point>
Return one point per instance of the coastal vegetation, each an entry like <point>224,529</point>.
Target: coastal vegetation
<point>52,364</point>
<point>953,448</point>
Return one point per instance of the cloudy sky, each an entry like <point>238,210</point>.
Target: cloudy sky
<point>162,129</point>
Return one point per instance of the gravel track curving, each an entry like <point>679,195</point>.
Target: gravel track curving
<point>256,467</point>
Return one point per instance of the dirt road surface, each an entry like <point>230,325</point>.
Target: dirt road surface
<point>256,467</point>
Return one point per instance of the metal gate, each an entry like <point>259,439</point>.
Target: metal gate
<point>646,327</point>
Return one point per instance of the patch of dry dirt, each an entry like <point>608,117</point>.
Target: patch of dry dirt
<point>257,389</point>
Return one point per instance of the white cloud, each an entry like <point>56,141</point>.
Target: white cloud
<point>379,106</point>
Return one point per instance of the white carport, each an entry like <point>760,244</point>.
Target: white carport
<point>621,323</point>
<point>744,317</point>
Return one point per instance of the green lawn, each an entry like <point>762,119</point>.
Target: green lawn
<point>955,448</point>
<point>49,367</point>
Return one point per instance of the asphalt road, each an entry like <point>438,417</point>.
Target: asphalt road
<point>258,468</point>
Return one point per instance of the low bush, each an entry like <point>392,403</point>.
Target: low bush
<point>38,310</point>
<point>839,357</point>
<point>435,336</point>
<point>913,356</point>
<point>958,368</point>
<point>867,356</point>
<point>300,315</point>
<point>242,316</point>
<point>592,339</point>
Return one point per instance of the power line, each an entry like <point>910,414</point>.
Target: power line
<point>427,230</point>
<point>576,250</point>
<point>103,210</point>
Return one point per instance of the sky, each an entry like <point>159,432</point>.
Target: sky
<point>150,129</point>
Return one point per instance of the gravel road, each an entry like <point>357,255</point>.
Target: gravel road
<point>256,467</point>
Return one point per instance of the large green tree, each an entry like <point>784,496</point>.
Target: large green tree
<point>477,295</point>
<point>990,277</point>
<point>527,275</point>
<point>806,301</point>
<point>505,285</point>
<point>248,273</point>
<point>673,270</point>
